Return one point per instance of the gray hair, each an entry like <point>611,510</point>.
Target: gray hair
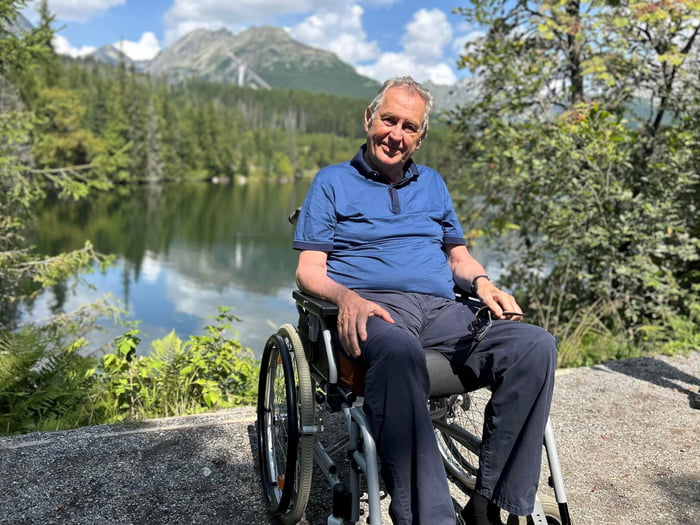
<point>411,85</point>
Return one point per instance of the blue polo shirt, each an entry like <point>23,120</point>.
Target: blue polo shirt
<point>379,235</point>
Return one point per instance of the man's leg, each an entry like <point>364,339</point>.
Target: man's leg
<point>520,360</point>
<point>396,393</point>
<point>517,361</point>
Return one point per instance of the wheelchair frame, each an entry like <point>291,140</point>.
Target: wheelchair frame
<point>300,381</point>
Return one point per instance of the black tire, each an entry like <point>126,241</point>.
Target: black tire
<point>285,425</point>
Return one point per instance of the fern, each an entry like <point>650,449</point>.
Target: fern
<point>43,386</point>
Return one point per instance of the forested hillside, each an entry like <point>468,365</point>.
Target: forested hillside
<point>154,130</point>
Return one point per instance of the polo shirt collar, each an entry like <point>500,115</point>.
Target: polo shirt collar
<point>360,164</point>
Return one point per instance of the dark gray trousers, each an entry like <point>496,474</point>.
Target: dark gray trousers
<point>516,360</point>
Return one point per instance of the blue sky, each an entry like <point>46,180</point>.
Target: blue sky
<point>381,38</point>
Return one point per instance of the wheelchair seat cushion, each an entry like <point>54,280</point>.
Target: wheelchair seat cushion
<point>444,379</point>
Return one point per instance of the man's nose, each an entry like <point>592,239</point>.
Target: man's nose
<point>396,133</point>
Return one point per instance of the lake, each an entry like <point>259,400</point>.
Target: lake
<point>182,251</point>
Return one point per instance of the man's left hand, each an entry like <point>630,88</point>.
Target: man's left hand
<point>498,301</point>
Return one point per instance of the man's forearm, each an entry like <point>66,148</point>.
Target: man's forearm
<point>314,281</point>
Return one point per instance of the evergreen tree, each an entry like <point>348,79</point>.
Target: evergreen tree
<point>22,184</point>
<point>38,364</point>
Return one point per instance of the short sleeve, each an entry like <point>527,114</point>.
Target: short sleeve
<point>451,227</point>
<point>317,219</point>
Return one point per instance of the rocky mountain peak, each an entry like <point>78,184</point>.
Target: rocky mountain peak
<point>264,34</point>
<point>266,46</point>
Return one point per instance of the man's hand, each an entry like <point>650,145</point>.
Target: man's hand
<point>498,301</point>
<point>353,312</point>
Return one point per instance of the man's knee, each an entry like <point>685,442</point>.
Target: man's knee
<point>547,345</point>
<point>543,343</point>
<point>540,353</point>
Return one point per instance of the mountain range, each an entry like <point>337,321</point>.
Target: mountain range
<point>263,57</point>
<point>260,57</point>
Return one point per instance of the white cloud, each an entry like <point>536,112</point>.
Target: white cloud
<point>427,34</point>
<point>145,49</point>
<point>441,73</point>
<point>389,65</point>
<point>80,10</point>
<point>340,32</point>
<point>399,64</point>
<point>63,47</point>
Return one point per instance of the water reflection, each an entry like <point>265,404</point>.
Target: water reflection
<point>182,251</point>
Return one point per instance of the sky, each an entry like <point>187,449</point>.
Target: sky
<point>380,38</point>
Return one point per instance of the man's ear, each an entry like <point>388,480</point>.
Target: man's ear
<point>420,140</point>
<point>368,118</point>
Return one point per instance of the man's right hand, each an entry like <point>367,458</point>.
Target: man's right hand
<point>353,312</point>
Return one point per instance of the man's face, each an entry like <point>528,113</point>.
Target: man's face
<point>394,132</point>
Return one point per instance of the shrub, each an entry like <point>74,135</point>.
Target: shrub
<point>206,372</point>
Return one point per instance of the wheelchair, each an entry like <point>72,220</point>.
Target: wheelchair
<point>303,380</point>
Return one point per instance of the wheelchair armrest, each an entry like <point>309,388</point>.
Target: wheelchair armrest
<point>315,305</point>
<point>464,297</point>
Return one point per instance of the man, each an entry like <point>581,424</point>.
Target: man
<point>378,236</point>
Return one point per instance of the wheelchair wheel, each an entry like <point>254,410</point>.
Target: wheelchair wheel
<point>285,425</point>
<point>458,422</point>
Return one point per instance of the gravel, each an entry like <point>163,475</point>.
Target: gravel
<point>627,439</point>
